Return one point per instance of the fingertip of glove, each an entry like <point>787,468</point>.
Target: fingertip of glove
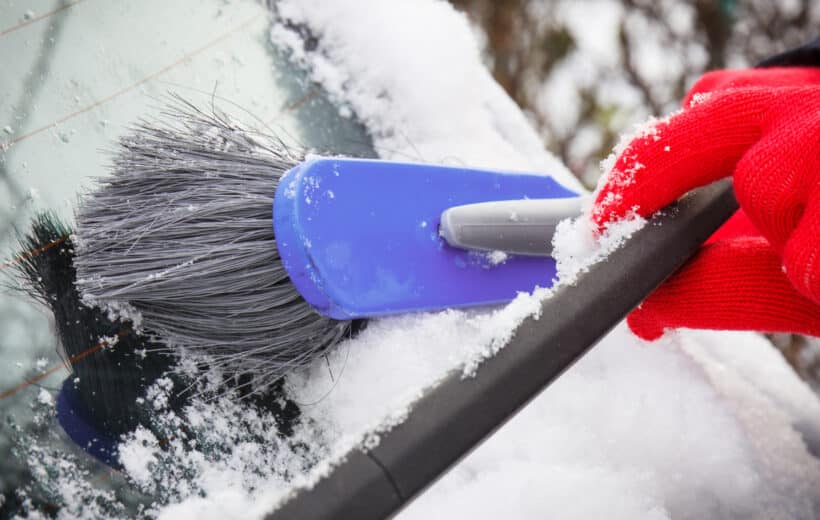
<point>644,325</point>
<point>802,268</point>
<point>756,77</point>
<point>708,82</point>
<point>801,255</point>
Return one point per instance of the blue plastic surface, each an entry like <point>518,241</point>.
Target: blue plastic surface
<point>80,429</point>
<point>359,238</point>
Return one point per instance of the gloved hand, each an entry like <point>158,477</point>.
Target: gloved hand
<point>758,273</point>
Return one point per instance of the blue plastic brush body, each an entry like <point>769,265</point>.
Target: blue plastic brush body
<point>76,423</point>
<point>360,238</point>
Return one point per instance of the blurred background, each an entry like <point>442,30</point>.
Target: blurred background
<point>586,71</point>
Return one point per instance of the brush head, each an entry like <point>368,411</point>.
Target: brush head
<point>111,364</point>
<point>180,236</point>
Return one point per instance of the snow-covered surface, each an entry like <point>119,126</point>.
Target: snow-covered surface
<point>691,427</point>
<point>411,70</point>
<point>696,425</point>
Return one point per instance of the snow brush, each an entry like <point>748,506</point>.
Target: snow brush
<point>223,241</point>
<point>210,237</point>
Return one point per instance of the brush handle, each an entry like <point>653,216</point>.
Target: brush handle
<point>458,414</point>
<point>521,227</point>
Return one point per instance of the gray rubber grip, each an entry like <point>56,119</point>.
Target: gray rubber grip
<point>522,227</point>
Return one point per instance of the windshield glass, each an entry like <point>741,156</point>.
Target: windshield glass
<point>77,76</point>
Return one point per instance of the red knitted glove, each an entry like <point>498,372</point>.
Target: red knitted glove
<point>762,126</point>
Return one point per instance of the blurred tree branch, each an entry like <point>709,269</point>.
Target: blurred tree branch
<point>526,41</point>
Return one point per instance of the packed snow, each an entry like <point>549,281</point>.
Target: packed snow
<point>411,71</point>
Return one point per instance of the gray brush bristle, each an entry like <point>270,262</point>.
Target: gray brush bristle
<point>181,232</point>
